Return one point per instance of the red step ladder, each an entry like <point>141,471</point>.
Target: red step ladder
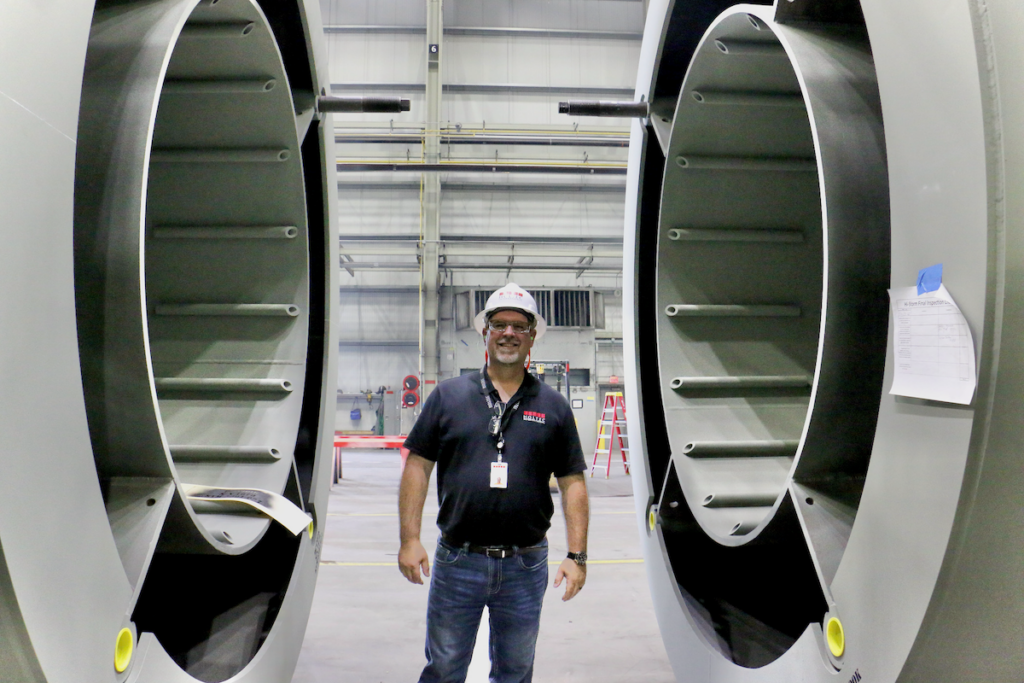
<point>612,425</point>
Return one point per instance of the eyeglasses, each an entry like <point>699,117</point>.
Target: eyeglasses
<point>498,326</point>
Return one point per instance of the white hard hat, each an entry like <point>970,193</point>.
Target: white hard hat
<point>511,296</point>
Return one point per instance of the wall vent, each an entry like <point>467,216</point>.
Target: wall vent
<point>559,307</point>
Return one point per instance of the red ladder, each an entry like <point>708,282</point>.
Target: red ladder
<point>611,425</point>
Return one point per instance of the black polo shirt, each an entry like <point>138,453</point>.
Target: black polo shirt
<point>540,439</point>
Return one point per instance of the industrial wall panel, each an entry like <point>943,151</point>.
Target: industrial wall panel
<point>377,58</point>
<point>613,314</point>
<point>540,61</point>
<point>374,12</point>
<point>368,367</point>
<point>532,279</point>
<point>377,212</point>
<point>610,362</point>
<point>379,316</point>
<point>514,214</point>
<point>608,15</point>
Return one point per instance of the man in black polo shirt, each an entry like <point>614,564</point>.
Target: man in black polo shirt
<point>496,436</point>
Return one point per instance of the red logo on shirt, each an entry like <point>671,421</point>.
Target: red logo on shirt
<point>531,416</point>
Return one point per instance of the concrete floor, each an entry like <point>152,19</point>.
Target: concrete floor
<point>367,622</point>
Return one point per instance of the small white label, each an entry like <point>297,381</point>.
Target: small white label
<point>223,500</point>
<point>499,475</point>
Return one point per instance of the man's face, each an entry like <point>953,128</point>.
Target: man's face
<point>507,347</point>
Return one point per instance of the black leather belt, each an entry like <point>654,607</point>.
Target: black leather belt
<point>498,551</point>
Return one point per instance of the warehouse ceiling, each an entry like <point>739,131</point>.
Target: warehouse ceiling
<point>481,181</point>
<point>525,193</point>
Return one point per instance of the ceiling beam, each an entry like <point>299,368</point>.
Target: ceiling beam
<point>480,167</point>
<point>414,267</point>
<point>459,186</point>
<point>378,342</point>
<point>502,249</point>
<point>506,32</point>
<point>567,140</point>
<point>496,32</point>
<point>488,88</point>
<point>519,239</point>
<point>534,267</point>
<point>377,289</point>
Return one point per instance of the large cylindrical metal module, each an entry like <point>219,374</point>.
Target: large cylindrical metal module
<point>168,370</point>
<point>798,521</point>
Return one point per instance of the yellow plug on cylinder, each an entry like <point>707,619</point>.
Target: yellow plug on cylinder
<point>124,647</point>
<point>835,637</point>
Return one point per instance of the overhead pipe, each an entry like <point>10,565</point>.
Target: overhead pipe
<point>609,108</point>
<point>365,105</point>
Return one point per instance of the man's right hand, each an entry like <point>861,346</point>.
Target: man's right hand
<point>412,492</point>
<point>411,557</point>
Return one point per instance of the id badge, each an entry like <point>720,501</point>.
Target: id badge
<point>499,475</point>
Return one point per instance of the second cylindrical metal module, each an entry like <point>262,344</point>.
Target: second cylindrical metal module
<point>189,333</point>
<point>794,510</point>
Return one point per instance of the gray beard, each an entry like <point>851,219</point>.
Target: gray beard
<point>514,360</point>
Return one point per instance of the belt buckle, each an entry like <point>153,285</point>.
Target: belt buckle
<point>500,553</point>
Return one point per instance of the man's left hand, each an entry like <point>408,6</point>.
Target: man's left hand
<point>575,576</point>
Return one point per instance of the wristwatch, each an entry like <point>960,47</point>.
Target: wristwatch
<point>578,558</point>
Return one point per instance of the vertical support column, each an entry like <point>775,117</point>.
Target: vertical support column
<point>430,232</point>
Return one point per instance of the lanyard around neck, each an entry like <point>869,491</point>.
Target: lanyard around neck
<point>506,414</point>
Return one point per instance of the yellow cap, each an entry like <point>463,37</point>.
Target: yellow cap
<point>311,530</point>
<point>123,649</point>
<point>652,519</point>
<point>835,637</point>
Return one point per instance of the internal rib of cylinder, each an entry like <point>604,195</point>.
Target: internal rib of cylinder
<point>739,276</point>
<point>191,266</point>
<point>773,263</point>
<point>226,261</point>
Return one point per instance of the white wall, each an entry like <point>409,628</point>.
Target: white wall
<point>378,211</point>
<point>374,12</point>
<point>371,317</point>
<point>376,58</point>
<point>515,214</point>
<point>602,15</point>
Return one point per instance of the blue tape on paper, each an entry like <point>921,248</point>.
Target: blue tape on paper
<point>929,279</point>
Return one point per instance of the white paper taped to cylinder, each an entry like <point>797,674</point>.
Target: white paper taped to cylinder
<point>211,499</point>
<point>934,347</point>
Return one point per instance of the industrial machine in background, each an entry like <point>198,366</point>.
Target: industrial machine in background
<point>553,373</point>
<point>788,165</point>
<point>168,355</point>
<point>410,391</point>
<point>410,404</point>
<point>575,384</point>
<point>389,413</point>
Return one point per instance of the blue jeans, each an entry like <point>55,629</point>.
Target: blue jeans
<point>462,584</point>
